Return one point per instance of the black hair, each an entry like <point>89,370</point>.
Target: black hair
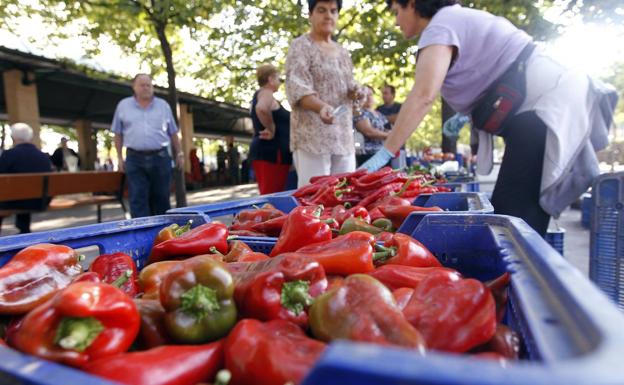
<point>312,4</point>
<point>391,88</point>
<point>426,8</point>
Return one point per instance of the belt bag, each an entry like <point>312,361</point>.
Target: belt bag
<point>503,99</point>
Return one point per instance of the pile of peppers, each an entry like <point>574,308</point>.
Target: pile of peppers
<point>207,308</point>
<point>377,203</point>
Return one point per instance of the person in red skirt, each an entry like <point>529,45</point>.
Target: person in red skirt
<point>269,151</point>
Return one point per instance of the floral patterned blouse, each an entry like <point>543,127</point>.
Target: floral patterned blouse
<point>309,71</point>
<point>378,121</point>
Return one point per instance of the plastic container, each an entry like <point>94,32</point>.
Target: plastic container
<point>556,238</point>
<point>606,251</point>
<point>224,211</point>
<point>452,203</point>
<point>572,333</point>
<point>133,237</point>
<point>586,209</point>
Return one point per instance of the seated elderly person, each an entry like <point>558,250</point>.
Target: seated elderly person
<point>24,157</point>
<point>373,125</point>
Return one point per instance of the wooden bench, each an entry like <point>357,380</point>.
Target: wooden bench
<point>105,187</point>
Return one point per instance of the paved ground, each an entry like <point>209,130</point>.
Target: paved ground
<point>576,237</point>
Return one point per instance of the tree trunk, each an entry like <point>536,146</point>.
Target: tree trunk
<point>178,175</point>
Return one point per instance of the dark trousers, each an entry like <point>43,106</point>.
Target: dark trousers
<point>517,189</point>
<point>22,221</point>
<point>149,183</point>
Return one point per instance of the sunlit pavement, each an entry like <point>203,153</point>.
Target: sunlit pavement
<point>576,237</point>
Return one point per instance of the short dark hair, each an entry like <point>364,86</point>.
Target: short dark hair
<point>391,88</point>
<point>312,4</point>
<point>426,8</point>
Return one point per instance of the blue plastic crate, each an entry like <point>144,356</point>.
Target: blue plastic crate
<point>556,238</point>
<point>571,332</point>
<point>461,186</point>
<point>282,201</point>
<point>586,209</point>
<point>134,237</point>
<point>452,203</point>
<point>606,252</point>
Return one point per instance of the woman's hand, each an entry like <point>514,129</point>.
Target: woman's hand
<point>326,113</point>
<point>266,134</point>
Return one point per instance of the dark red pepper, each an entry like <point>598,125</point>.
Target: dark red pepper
<point>303,227</point>
<point>500,290</point>
<point>397,276</point>
<point>195,242</point>
<point>112,267</point>
<point>408,251</point>
<point>84,322</point>
<point>504,342</point>
<point>250,217</point>
<point>380,193</point>
<point>280,288</point>
<point>272,227</point>
<point>34,275</point>
<point>153,332</point>
<point>165,365</point>
<point>273,353</point>
<point>473,320</point>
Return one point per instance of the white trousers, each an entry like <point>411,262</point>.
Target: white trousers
<point>309,165</point>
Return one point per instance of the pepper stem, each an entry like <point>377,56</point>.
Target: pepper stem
<point>214,250</point>
<point>200,301</point>
<point>347,205</point>
<point>77,333</point>
<point>405,186</point>
<point>181,230</point>
<point>122,279</point>
<point>383,253</point>
<point>295,296</point>
<point>318,211</point>
<point>223,377</point>
<point>343,182</point>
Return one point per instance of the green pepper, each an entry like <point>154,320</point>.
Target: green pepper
<point>384,224</point>
<point>357,224</point>
<point>197,297</point>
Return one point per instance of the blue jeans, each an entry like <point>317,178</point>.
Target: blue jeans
<point>149,181</point>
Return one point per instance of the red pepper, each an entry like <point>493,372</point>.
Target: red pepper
<point>303,227</point>
<point>111,267</point>
<point>334,281</point>
<point>398,214</point>
<point>384,236</point>
<point>195,242</point>
<point>373,176</point>
<point>272,353</point>
<point>84,322</point>
<point>452,313</point>
<point>153,332</point>
<point>34,275</point>
<point>381,193</point>
<point>253,257</point>
<point>362,309</point>
<point>397,276</point>
<point>280,288</point>
<point>390,200</point>
<point>499,288</point>
<point>256,215</point>
<point>328,196</point>
<point>272,227</point>
<point>393,177</point>
<point>165,365</point>
<point>375,214</point>
<point>151,278</point>
<point>408,251</point>
<point>343,214</point>
<point>311,189</point>
<point>346,175</point>
<point>236,251</point>
<point>347,254</point>
<point>402,296</point>
<point>87,276</point>
<point>171,231</point>
<point>504,342</point>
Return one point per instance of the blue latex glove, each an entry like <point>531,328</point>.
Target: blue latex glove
<point>378,160</point>
<point>455,123</point>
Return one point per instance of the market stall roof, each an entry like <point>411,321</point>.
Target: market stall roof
<point>66,94</point>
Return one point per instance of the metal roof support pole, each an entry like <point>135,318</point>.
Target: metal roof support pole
<point>21,100</point>
<point>187,130</point>
<point>87,144</point>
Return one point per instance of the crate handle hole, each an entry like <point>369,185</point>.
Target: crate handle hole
<point>551,321</point>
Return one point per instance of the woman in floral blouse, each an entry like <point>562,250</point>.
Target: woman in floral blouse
<point>319,78</point>
<point>373,125</point>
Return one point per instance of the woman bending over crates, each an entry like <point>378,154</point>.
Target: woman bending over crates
<point>551,118</point>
